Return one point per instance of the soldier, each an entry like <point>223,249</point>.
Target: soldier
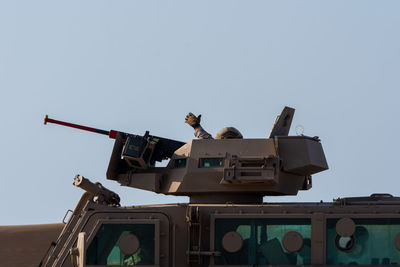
<point>199,132</point>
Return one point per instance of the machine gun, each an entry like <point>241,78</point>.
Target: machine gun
<point>139,152</point>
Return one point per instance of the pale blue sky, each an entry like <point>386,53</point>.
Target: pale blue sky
<point>143,65</point>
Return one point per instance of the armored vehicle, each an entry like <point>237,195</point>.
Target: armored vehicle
<point>226,222</point>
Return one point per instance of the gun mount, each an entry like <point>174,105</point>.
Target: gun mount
<point>220,170</point>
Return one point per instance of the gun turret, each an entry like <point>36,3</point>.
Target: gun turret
<point>101,194</point>
<point>212,170</point>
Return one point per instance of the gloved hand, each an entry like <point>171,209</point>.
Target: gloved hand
<point>192,120</point>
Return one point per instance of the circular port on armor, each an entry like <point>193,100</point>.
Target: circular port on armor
<point>129,244</point>
<point>292,241</point>
<point>345,243</point>
<point>345,227</point>
<point>232,242</point>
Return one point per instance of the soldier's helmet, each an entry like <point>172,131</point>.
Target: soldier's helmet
<point>229,133</point>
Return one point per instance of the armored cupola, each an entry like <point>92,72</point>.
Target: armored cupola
<point>221,170</point>
<point>229,168</point>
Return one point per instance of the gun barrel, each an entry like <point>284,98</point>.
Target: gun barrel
<point>100,193</point>
<point>112,134</point>
<point>86,185</point>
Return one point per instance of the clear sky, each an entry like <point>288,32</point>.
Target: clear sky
<point>143,65</point>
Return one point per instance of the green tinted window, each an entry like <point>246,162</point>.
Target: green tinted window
<point>104,250</point>
<point>180,163</point>
<point>262,241</point>
<point>210,162</point>
<point>373,243</point>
